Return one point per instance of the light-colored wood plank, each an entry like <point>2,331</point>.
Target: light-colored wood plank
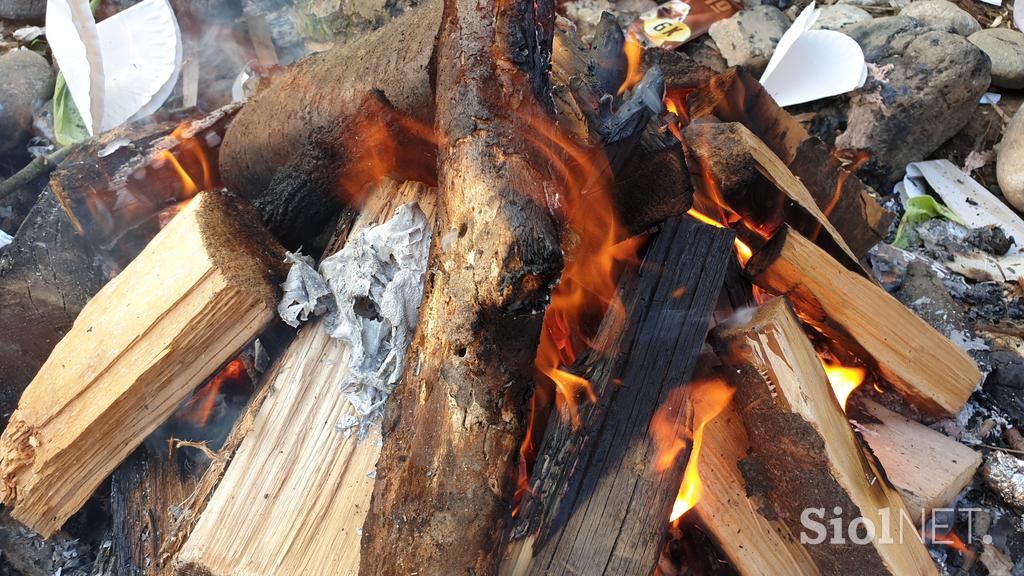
<point>204,287</point>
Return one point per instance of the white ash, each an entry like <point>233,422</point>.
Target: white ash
<point>305,291</point>
<point>1005,475</point>
<point>377,281</point>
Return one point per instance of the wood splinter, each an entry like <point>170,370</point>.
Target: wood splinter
<point>203,288</point>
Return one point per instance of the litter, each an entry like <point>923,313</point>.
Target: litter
<point>809,65</point>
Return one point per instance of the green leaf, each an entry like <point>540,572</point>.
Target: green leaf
<point>68,126</point>
<point>919,209</point>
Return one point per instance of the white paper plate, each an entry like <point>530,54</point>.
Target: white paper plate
<point>73,37</point>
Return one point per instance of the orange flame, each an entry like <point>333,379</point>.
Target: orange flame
<point>710,397</point>
<point>844,379</point>
<point>742,249</point>
<point>953,541</point>
<point>200,406</point>
<point>634,52</point>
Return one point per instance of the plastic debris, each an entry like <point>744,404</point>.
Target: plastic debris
<point>5,238</point>
<point>676,22</point>
<point>305,292</point>
<point>377,281</point>
<point>121,69</point>
<point>1005,475</point>
<point>809,65</point>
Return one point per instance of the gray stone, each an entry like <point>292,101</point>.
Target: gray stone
<point>866,3</point>
<point>748,37</point>
<point>942,15</point>
<point>1005,48</point>
<point>836,16</point>
<point>1010,161</point>
<point>28,83</point>
<point>586,14</point>
<point>923,87</point>
<point>27,10</point>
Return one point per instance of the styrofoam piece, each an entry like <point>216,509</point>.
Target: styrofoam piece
<point>809,65</point>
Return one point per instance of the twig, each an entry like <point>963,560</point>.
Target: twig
<point>36,168</point>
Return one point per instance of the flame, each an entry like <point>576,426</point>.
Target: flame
<point>743,251</point>
<point>710,397</point>
<point>634,52</point>
<point>953,541</point>
<point>844,379</point>
<point>199,408</point>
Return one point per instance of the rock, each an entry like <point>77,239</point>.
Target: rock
<point>866,3</point>
<point>836,16</point>
<point>1010,161</point>
<point>748,37</point>
<point>30,10</point>
<point>628,10</point>
<point>586,14</point>
<point>942,15</point>
<point>28,83</point>
<point>1005,48</point>
<point>923,87</point>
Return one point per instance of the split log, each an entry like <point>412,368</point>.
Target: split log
<point>805,455</point>
<point>739,171</point>
<point>115,187</point>
<point>596,504</point>
<point>736,96</point>
<point>296,494</point>
<point>452,430</point>
<point>929,468</point>
<point>203,288</point>
<point>46,276</point>
<point>862,318</point>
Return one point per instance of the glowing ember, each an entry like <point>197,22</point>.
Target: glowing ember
<point>844,379</point>
<point>742,250</point>
<point>709,399</point>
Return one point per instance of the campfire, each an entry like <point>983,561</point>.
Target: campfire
<point>469,295</point>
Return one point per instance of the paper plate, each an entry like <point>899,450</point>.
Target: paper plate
<point>74,39</point>
<point>141,49</point>
<point>808,65</point>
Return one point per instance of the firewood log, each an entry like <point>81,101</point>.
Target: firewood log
<point>596,504</point>
<point>805,455</point>
<point>862,318</point>
<point>453,429</point>
<point>737,169</point>
<point>46,277</point>
<point>928,468</point>
<point>736,96</point>
<point>304,517</point>
<point>203,288</point>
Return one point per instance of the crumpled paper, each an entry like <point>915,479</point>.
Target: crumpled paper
<point>377,282</point>
<point>305,291</point>
<point>1004,473</point>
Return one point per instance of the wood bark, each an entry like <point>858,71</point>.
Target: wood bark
<point>444,481</point>
<point>294,499</point>
<point>46,276</point>
<point>804,453</point>
<point>736,96</point>
<point>595,503</point>
<point>736,169</point>
<point>203,288</point>
<point>929,468</point>
<point>861,318</point>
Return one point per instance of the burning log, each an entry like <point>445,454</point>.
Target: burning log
<point>453,428</point>
<point>861,317</point>
<point>804,453</point>
<point>598,501</point>
<point>46,277</point>
<point>739,171</point>
<point>735,96</point>
<point>928,468</point>
<point>201,290</point>
<point>306,516</point>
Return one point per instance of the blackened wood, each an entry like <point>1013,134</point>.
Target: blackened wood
<point>849,204</point>
<point>46,275</point>
<point>595,504</point>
